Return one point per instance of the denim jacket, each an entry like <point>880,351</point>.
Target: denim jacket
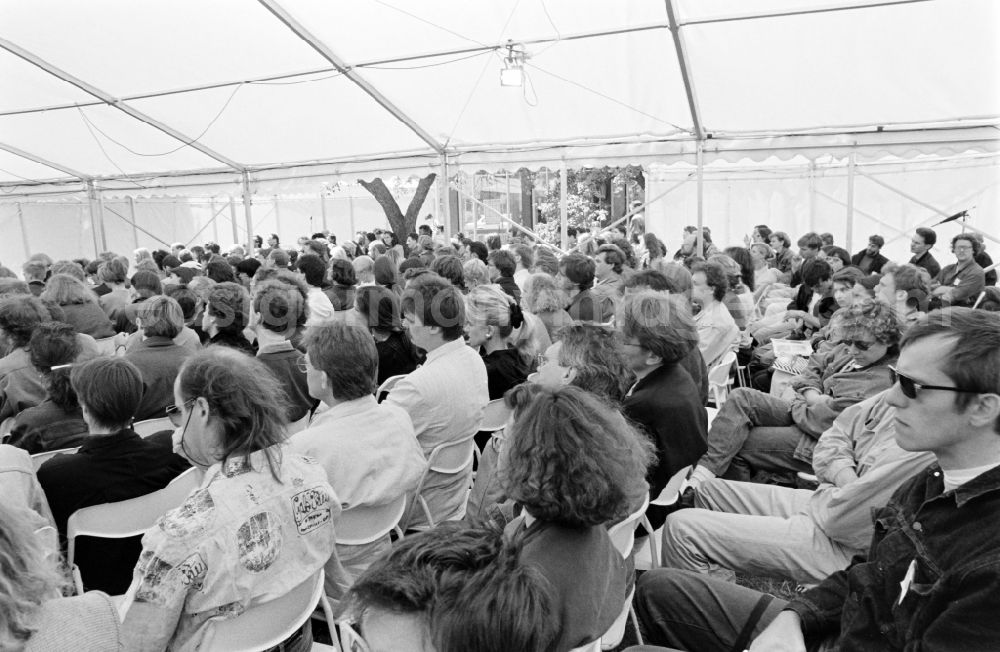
<point>944,548</point>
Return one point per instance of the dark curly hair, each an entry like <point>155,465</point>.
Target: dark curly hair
<point>19,316</point>
<point>54,344</point>
<point>715,278</point>
<point>572,459</point>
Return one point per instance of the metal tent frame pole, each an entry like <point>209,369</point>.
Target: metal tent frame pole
<point>248,213</point>
<point>563,208</point>
<point>851,165</point>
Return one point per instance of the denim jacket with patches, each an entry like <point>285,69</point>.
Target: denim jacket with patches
<point>932,577</point>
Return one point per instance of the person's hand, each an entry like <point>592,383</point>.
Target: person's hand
<point>794,315</point>
<point>845,476</point>
<point>784,634</point>
<point>811,395</point>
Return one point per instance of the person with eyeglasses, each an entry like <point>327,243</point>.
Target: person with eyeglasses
<point>756,432</point>
<point>930,578</point>
<point>961,282</point>
<point>260,524</point>
<point>113,464</point>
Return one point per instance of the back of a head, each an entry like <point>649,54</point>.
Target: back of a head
<point>112,271</point>
<point>146,283</point>
<point>346,354</point>
<point>542,295</point>
<point>342,272</point>
<point>573,459</point>
<point>504,262</point>
<point>248,267</point>
<point>220,271</point>
<point>479,250</point>
<point>279,258</point>
<point>649,279</point>
<point>229,305</point>
<point>68,267</point>
<point>466,587</point>
<point>64,289</point>
<point>379,307</point>
<point>364,268</point>
<point>450,267</point>
<point>490,305</point>
<point>436,302</point>
<point>523,255</point>
<point>810,241</point>
<point>109,390</point>
<point>233,385</point>
<point>579,269</point>
<point>161,316</point>
<point>385,272</point>
<point>34,270</point>
<point>312,268</point>
<point>280,306</point>
<point>19,316</point>
<point>474,272</point>
<point>661,323</point>
<point>546,261</point>
<point>54,348</point>
<point>13,286</point>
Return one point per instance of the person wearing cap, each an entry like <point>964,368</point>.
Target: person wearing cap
<point>920,246</point>
<point>869,260</point>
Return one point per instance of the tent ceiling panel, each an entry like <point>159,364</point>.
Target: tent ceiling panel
<point>780,75</point>
<point>127,47</point>
<point>34,87</point>
<point>84,139</point>
<point>571,89</point>
<point>273,123</point>
<point>378,29</point>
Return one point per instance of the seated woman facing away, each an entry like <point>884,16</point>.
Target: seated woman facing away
<point>80,305</point>
<point>34,617</point>
<point>490,319</point>
<point>57,422</point>
<point>260,524</point>
<point>574,464</point>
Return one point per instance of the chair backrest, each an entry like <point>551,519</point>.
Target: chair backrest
<point>711,412</point>
<point>386,387</point>
<point>594,646</point>
<point>495,416</point>
<point>719,374</point>
<point>299,425</point>
<point>623,534</point>
<point>129,518</point>
<point>453,457</point>
<point>672,491</point>
<point>152,426</point>
<point>363,525</point>
<point>40,458</point>
<point>265,625</point>
<point>109,345</point>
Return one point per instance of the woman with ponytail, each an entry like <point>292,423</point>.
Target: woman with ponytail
<point>491,318</point>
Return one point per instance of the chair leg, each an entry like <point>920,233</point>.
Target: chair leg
<point>635,624</point>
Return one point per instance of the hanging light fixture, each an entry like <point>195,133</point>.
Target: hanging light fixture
<point>512,73</point>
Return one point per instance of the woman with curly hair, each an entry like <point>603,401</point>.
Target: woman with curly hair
<point>260,524</point>
<point>754,431</point>
<point>543,298</point>
<point>574,464</point>
<point>34,616</point>
<point>474,273</point>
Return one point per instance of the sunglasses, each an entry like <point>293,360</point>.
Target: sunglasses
<point>860,345</point>
<point>174,412</point>
<point>910,387</point>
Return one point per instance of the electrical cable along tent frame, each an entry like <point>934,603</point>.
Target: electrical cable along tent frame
<point>139,122</point>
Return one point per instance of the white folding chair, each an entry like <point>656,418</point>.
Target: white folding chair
<point>41,458</point>
<point>267,624</point>
<point>299,425</point>
<point>361,525</point>
<point>446,459</point>
<point>623,537</point>
<point>720,378</point>
<point>152,426</point>
<point>495,416</point>
<point>712,413</point>
<point>670,494</point>
<point>112,346</point>
<point>6,427</point>
<point>593,646</point>
<point>127,518</point>
<point>386,387</point>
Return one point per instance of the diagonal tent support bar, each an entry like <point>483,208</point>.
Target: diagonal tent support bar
<point>641,208</point>
<point>38,159</point>
<point>136,226</point>
<point>685,65</point>
<point>503,218</point>
<point>35,60</point>
<point>324,50</point>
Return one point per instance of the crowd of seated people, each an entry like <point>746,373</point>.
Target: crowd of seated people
<point>269,362</point>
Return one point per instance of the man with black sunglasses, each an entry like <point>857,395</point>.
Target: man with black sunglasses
<point>931,578</point>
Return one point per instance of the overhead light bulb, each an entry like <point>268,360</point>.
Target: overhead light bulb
<point>512,73</point>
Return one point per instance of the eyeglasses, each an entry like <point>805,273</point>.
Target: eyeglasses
<point>962,248</point>
<point>635,344</point>
<point>860,345</point>
<point>352,640</point>
<point>910,386</point>
<point>303,365</point>
<point>174,412</point>
<point>541,359</point>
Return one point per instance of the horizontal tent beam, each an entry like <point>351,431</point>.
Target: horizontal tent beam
<point>324,50</point>
<point>816,9</point>
<point>38,159</point>
<point>110,100</point>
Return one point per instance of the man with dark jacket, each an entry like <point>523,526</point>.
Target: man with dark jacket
<point>502,266</point>
<point>930,579</point>
<point>659,333</point>
<point>869,260</point>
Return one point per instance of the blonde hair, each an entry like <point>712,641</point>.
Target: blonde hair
<point>64,289</point>
<point>28,577</point>
<point>475,273</point>
<point>542,295</point>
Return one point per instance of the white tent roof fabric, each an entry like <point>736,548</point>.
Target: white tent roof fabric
<point>151,97</point>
